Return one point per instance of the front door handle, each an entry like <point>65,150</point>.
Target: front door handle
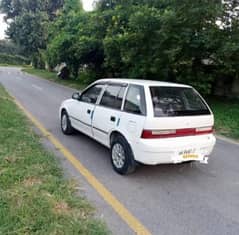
<point>112,119</point>
<point>88,111</point>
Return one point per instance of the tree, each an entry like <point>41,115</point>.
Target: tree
<point>13,8</point>
<point>72,5</point>
<point>193,42</point>
<point>8,47</point>
<point>29,31</point>
<point>166,40</point>
<point>28,22</point>
<point>227,56</point>
<point>75,38</point>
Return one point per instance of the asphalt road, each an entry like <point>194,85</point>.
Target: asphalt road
<point>167,199</point>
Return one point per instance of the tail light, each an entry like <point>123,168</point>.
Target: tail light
<point>154,134</point>
<point>204,130</point>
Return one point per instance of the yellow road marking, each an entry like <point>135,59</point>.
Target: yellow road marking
<point>119,208</point>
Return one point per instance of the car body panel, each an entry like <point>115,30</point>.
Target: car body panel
<point>105,121</point>
<point>99,125</point>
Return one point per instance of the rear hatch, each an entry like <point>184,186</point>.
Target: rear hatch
<point>177,112</point>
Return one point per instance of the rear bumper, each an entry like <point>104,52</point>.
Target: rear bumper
<point>174,150</point>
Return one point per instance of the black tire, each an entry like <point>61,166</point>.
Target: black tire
<point>128,165</point>
<point>66,127</point>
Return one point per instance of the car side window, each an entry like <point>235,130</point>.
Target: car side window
<point>135,100</point>
<point>113,96</point>
<point>91,94</point>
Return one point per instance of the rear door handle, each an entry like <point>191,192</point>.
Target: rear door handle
<point>88,111</point>
<point>112,119</point>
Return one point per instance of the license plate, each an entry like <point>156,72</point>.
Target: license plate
<point>189,154</point>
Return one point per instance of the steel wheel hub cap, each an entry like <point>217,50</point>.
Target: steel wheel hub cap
<point>64,122</point>
<point>118,155</point>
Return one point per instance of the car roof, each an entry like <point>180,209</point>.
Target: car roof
<point>141,82</point>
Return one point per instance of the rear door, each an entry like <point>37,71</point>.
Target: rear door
<point>107,113</point>
<point>134,113</point>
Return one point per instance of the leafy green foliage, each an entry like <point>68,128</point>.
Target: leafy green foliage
<point>13,8</point>
<point>193,42</point>
<point>10,48</point>
<point>226,114</point>
<point>228,52</point>
<point>77,43</point>
<point>13,59</point>
<point>28,22</point>
<point>72,5</point>
<point>164,42</point>
<point>169,40</point>
<point>28,31</point>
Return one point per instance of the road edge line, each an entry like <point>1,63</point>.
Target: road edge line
<point>109,198</point>
<point>226,139</point>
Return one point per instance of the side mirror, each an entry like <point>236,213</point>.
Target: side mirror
<point>76,96</point>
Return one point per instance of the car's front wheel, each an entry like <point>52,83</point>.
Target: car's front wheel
<point>122,158</point>
<point>66,127</point>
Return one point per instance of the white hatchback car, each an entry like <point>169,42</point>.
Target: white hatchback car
<point>143,121</point>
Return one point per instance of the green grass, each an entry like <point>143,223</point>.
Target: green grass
<point>35,198</point>
<point>226,114</point>
<point>52,76</point>
<point>11,65</point>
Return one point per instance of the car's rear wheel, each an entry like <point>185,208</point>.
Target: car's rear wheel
<point>66,127</point>
<point>122,158</point>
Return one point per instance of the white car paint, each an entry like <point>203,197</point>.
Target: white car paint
<point>98,125</point>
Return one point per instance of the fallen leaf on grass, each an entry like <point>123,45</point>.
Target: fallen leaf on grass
<point>10,159</point>
<point>62,208</point>
<point>31,182</point>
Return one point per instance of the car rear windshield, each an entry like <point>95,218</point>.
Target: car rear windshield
<point>177,101</point>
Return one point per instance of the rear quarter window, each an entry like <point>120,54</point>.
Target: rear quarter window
<point>135,100</point>
<point>177,101</point>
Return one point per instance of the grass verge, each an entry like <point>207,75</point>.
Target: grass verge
<point>52,76</point>
<point>226,114</point>
<point>34,196</point>
<point>11,65</point>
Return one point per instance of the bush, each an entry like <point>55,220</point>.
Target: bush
<point>13,59</point>
<point>87,76</point>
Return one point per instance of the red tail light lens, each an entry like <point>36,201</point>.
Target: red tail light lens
<point>154,134</point>
<point>204,130</point>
